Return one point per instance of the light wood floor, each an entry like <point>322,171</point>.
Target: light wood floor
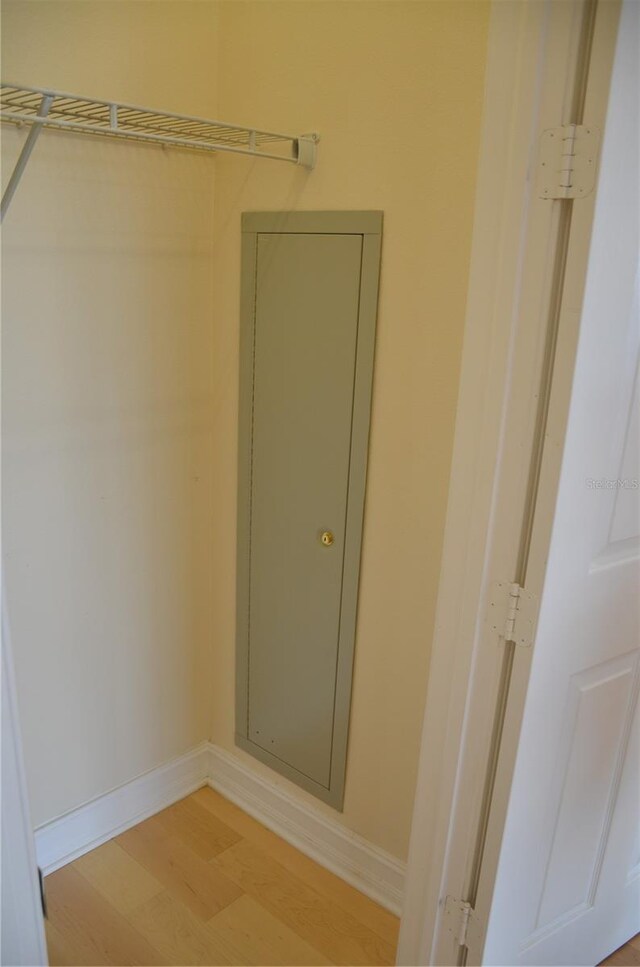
<point>626,956</point>
<point>203,883</point>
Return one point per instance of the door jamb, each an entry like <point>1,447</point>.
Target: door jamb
<point>532,72</point>
<point>574,277</point>
<point>23,938</point>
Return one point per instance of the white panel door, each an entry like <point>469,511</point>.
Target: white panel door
<point>22,937</point>
<point>568,883</point>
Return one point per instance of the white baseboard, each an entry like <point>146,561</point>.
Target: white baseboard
<point>366,867</point>
<point>80,830</point>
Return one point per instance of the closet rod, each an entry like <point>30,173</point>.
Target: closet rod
<point>41,107</point>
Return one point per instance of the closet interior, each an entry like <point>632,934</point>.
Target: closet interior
<point>231,360</point>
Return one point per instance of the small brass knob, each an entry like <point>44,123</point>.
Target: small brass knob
<point>327,538</point>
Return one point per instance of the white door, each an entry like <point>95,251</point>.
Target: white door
<point>568,883</point>
<point>22,938</point>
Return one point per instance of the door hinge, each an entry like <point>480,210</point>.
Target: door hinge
<point>460,919</point>
<point>567,162</point>
<point>512,613</point>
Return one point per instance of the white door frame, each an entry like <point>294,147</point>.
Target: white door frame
<point>22,936</point>
<point>521,329</point>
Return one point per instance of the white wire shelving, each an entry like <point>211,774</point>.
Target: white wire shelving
<point>41,108</point>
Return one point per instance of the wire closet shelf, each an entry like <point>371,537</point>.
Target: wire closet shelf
<point>39,108</point>
<point>71,112</point>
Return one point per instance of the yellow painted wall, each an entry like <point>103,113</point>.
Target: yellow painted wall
<point>107,403</point>
<point>395,90</point>
<point>157,53</point>
<point>120,314</point>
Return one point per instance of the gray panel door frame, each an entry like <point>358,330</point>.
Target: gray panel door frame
<point>367,225</point>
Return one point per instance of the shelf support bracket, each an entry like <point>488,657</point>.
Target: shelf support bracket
<point>25,154</point>
<point>307,150</point>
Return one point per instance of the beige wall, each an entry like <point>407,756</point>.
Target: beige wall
<point>395,90</point>
<point>108,400</point>
<point>158,53</point>
<point>121,368</point>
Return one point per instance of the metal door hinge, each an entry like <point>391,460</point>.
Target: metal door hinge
<point>567,161</point>
<point>512,613</point>
<point>460,919</point>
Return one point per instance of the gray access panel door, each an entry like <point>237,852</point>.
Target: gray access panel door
<point>309,293</point>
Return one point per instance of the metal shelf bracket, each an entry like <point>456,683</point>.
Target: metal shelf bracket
<point>25,154</point>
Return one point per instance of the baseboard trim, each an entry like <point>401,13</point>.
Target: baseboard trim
<point>361,864</point>
<point>65,839</point>
<point>351,857</point>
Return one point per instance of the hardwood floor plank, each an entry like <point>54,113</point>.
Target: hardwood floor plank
<point>230,814</point>
<point>626,956</point>
<point>371,914</point>
<point>198,828</point>
<point>87,930</point>
<point>64,951</point>
<point>318,920</point>
<point>179,935</point>
<point>118,877</point>
<point>261,938</point>
<point>205,889</point>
